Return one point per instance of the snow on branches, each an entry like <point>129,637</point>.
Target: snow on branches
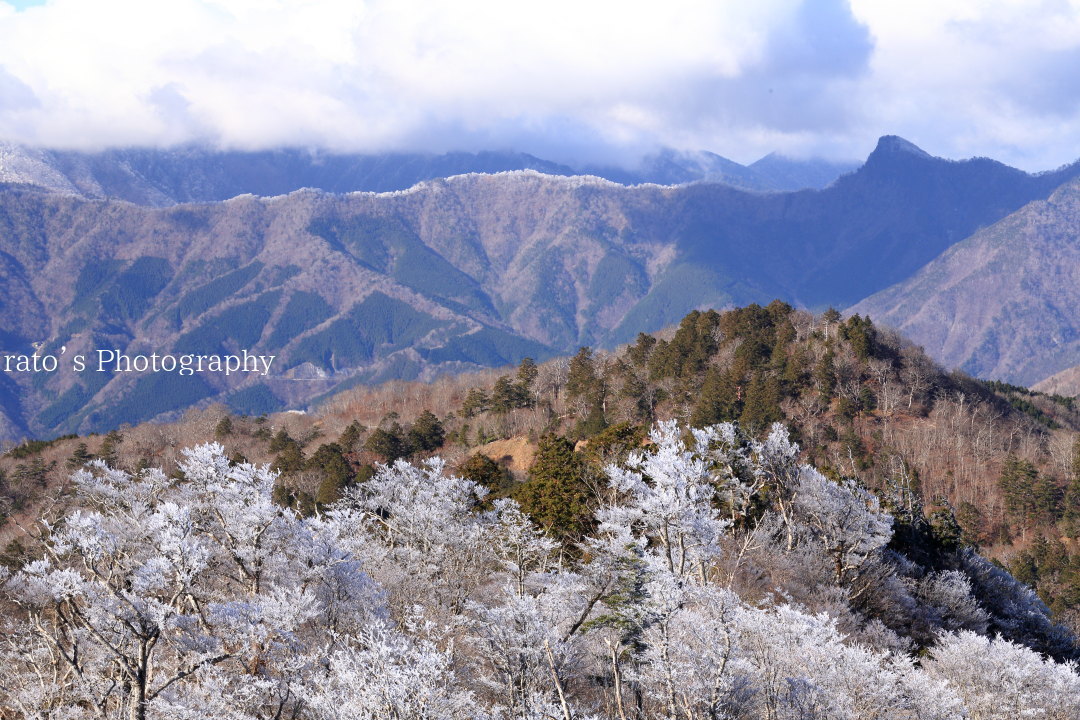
<point>415,596</point>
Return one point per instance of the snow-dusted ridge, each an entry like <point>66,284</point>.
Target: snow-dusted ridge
<point>571,181</point>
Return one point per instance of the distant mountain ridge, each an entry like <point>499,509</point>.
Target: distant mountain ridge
<point>471,271</point>
<point>162,177</point>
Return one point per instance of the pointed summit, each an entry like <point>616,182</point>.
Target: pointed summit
<point>896,145</point>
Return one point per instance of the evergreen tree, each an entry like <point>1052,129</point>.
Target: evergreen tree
<point>337,473</point>
<point>1017,483</point>
<point>557,495</point>
<point>223,429</point>
<point>971,522</point>
<point>280,441</point>
<point>614,444</point>
<point>581,379</point>
<point>595,421</point>
<point>389,444</point>
<point>79,457</point>
<point>719,399</point>
<point>762,405</point>
<point>1046,498</point>
<point>689,351</point>
<point>527,373</point>
<point>350,436</point>
<point>640,351</point>
<point>583,384</point>
<point>290,459</point>
<point>109,447</point>
<point>861,334</point>
<point>1071,501</point>
<point>825,376</point>
<point>829,318</point>
<point>483,470</point>
<point>505,396</point>
<point>476,402</point>
<point>427,433</point>
<point>945,530</point>
<point>1024,568</point>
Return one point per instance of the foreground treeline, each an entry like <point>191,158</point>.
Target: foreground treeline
<point>717,577</point>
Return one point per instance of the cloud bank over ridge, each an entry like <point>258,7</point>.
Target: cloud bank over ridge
<point>585,81</point>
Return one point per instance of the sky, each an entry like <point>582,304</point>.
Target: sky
<point>578,81</point>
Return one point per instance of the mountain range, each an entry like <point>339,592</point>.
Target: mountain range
<point>162,177</point>
<point>137,251</point>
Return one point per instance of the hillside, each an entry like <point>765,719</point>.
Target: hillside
<point>1066,382</point>
<point>756,554</point>
<point>1002,303</point>
<point>861,401</point>
<point>475,270</point>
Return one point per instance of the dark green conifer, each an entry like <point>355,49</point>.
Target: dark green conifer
<point>1017,483</point>
<point>639,352</point>
<point>556,495</point>
<point>718,400</point>
<point>581,379</point>
<point>483,470</point>
<point>475,403</point>
<point>79,457</point>
<point>329,460</point>
<point>350,436</point>
<point>280,441</point>
<point>290,459</point>
<point>504,396</point>
<point>389,444</point>
<point>761,408</point>
<point>527,373</point>
<point>427,432</point>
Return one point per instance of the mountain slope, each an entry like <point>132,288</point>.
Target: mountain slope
<point>1002,303</point>
<point>1065,383</point>
<point>476,270</point>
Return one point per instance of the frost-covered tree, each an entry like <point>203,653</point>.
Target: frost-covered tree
<point>803,668</point>
<point>417,532</point>
<point>997,679</point>
<point>158,590</point>
<point>384,674</point>
<point>843,517</point>
<point>666,502</point>
<point>948,594</point>
<point>412,597</point>
<point>690,665</point>
<point>778,462</point>
<point>526,650</point>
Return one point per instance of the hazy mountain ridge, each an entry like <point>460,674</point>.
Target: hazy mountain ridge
<point>162,177</point>
<point>475,270</point>
<point>1065,383</point>
<point>1002,303</point>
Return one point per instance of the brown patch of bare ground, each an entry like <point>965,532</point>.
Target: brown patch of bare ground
<point>517,453</point>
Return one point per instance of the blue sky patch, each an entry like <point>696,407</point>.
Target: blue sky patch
<point>23,4</point>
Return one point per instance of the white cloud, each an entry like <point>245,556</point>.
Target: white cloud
<point>563,77</point>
